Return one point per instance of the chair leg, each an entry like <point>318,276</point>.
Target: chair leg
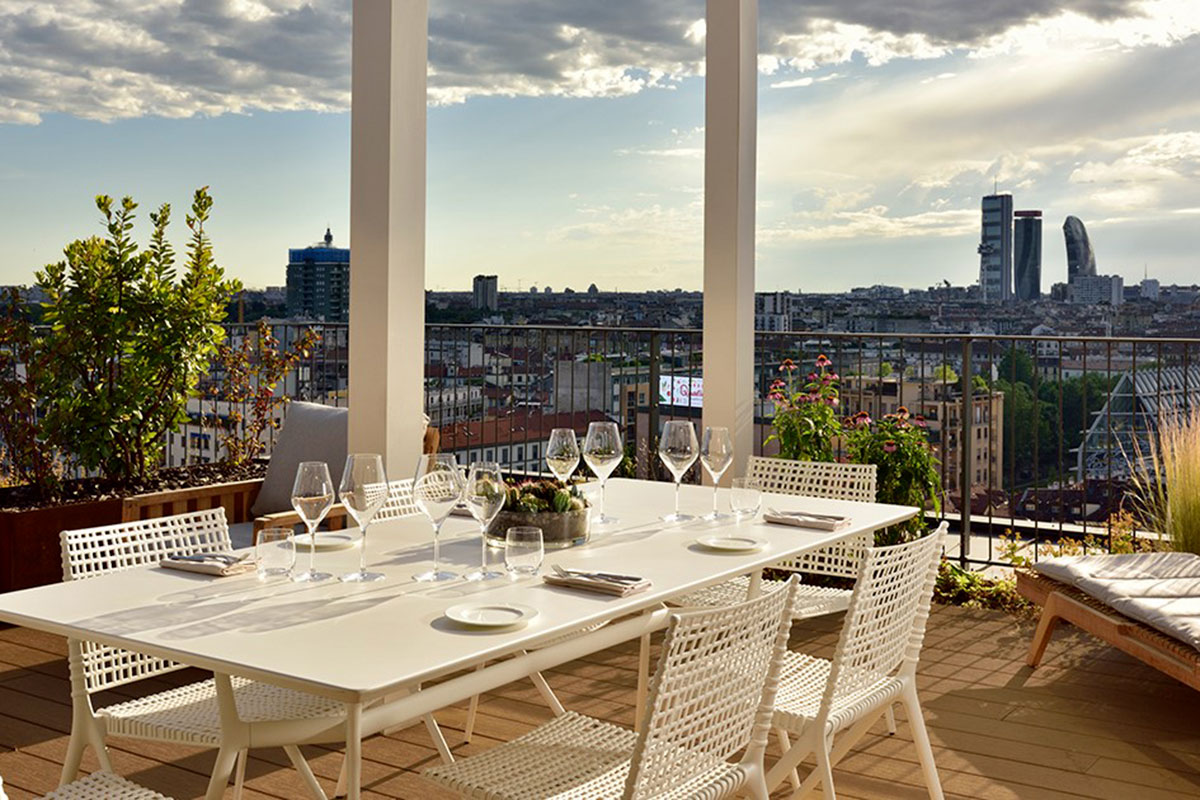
<point>825,770</point>
<point>239,774</point>
<point>222,769</point>
<point>74,757</point>
<point>439,741</point>
<point>785,744</point>
<point>1045,628</point>
<point>305,771</point>
<point>890,714</point>
<point>916,720</point>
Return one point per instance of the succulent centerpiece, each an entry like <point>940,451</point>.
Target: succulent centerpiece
<point>562,512</point>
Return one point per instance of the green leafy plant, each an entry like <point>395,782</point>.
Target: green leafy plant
<point>250,372</point>
<point>806,417</point>
<point>129,339</point>
<point>898,445</point>
<point>960,587</point>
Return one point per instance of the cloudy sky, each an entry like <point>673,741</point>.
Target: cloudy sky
<point>565,136</point>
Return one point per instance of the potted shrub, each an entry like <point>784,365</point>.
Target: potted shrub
<point>898,445</point>
<point>124,340</point>
<point>561,512</point>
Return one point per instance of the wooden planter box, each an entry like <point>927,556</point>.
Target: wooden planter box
<point>30,554</point>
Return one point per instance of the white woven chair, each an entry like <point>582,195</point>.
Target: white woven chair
<point>873,667</point>
<point>709,700</point>
<point>220,712</point>
<point>102,786</point>
<point>810,479</point>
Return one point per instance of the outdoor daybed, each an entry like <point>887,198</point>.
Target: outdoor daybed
<point>1146,604</point>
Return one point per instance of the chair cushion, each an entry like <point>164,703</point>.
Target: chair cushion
<point>1161,590</point>
<point>311,432</point>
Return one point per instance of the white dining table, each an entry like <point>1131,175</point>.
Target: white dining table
<point>376,646</point>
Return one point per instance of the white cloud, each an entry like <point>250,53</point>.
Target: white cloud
<point>112,59</point>
<point>873,222</point>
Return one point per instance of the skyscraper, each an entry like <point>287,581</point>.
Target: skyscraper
<point>318,281</point>
<point>486,292</point>
<point>1027,254</point>
<point>1081,260</point>
<point>996,249</point>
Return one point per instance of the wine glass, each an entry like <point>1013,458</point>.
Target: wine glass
<point>678,450</point>
<point>363,491</point>
<point>562,453</point>
<point>716,454</point>
<point>438,488</point>
<point>603,452</point>
<point>484,497</point>
<point>312,497</point>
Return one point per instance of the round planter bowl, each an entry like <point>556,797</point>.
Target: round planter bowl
<point>559,530</point>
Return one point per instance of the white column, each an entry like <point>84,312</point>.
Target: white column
<point>387,230</point>
<point>731,108</point>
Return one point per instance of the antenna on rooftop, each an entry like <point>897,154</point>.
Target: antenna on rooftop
<point>995,185</point>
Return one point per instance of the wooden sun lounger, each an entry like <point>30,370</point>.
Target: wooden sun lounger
<point>1060,601</point>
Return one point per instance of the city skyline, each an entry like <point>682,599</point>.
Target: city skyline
<point>881,126</point>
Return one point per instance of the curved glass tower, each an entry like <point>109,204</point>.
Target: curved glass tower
<point>1080,258</point>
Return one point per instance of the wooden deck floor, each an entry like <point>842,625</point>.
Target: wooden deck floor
<point>1089,723</point>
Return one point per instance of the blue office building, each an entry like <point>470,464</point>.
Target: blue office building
<point>318,281</point>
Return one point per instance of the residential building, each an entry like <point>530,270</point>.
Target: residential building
<point>318,281</point>
<point>485,291</point>
<point>996,248</point>
<point>1027,255</point>
<point>1081,260</point>
<point>939,402</point>
<point>1093,290</point>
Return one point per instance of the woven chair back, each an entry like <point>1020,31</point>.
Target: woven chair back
<point>91,552</point>
<point>827,480</point>
<point>399,503</point>
<point>885,624</point>
<point>714,687</point>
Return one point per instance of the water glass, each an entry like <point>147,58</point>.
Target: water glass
<point>275,553</point>
<point>745,498</point>
<point>523,551</point>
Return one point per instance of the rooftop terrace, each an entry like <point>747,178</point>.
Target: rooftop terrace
<point>1090,722</point>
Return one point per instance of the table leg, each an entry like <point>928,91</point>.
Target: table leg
<point>755,585</point>
<point>354,751</point>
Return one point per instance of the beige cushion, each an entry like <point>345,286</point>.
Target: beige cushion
<point>311,432</point>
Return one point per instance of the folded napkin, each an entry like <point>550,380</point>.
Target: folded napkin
<point>617,588</point>
<point>219,564</point>
<point>805,519</point>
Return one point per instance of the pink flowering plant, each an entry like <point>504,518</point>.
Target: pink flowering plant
<point>907,466</point>
<point>806,417</point>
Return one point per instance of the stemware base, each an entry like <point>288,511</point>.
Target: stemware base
<point>435,575</point>
<point>483,575</point>
<point>716,516</point>
<point>311,576</point>
<point>676,517</point>
<point>604,519</point>
<point>361,577</point>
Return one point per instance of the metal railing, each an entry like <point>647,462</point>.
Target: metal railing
<point>1041,450</point>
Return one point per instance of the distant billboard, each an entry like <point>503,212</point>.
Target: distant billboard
<point>676,390</point>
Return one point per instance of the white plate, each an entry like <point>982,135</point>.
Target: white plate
<point>733,544</point>
<point>490,615</point>
<point>327,540</point>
